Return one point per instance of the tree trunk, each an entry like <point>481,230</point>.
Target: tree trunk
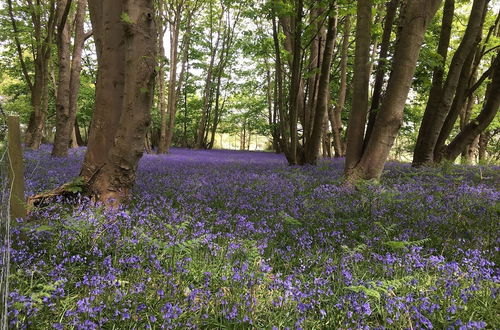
<point>280,98</point>
<point>295,84</point>
<point>478,125</point>
<point>207,94</point>
<point>69,82</point>
<point>313,144</point>
<point>43,35</point>
<point>76,68</point>
<point>109,39</point>
<point>359,107</point>
<point>61,141</point>
<point>126,51</point>
<point>415,18</point>
<point>336,117</point>
<point>392,7</point>
<point>162,105</point>
<point>456,107</point>
<point>78,136</point>
<point>437,108</point>
<point>172,82</point>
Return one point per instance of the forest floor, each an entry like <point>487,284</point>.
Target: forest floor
<point>227,239</point>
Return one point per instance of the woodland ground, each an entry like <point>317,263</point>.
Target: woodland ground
<point>225,239</point>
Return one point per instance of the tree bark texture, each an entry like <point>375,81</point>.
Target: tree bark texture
<point>391,9</point>
<point>359,106</point>
<point>312,146</point>
<point>438,108</point>
<point>415,18</point>
<point>110,181</point>
<point>485,117</point>
<point>69,81</point>
<point>336,117</point>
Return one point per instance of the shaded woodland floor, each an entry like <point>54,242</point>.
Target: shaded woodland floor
<point>240,240</point>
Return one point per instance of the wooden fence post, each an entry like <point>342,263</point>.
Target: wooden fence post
<point>16,170</point>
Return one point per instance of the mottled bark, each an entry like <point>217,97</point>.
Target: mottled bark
<point>162,104</point>
<point>456,107</point>
<point>280,98</point>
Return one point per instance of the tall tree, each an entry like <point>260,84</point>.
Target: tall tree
<point>125,36</point>
<point>335,114</point>
<point>69,80</point>
<point>390,15</point>
<point>44,20</point>
<point>438,107</point>
<point>415,18</point>
<point>359,107</point>
<point>472,130</point>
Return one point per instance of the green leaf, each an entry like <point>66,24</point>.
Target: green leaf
<point>369,292</point>
<point>44,228</point>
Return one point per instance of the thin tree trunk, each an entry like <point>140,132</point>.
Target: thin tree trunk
<point>78,136</point>
<point>437,109</point>
<point>61,141</point>
<point>456,107</point>
<point>478,125</point>
<point>280,103</point>
<point>313,145</point>
<point>295,84</point>
<point>76,66</point>
<point>162,105</point>
<point>172,82</point>
<point>359,107</point>
<point>336,118</point>
<point>391,8</point>
<point>69,81</point>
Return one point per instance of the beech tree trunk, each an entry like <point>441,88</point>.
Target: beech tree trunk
<point>295,84</point>
<point>438,108</point>
<point>201,131</point>
<point>280,98</point>
<point>126,69</point>
<point>336,116</point>
<point>415,18</point>
<point>456,107</point>
<point>61,140</point>
<point>162,105</point>
<point>312,146</point>
<point>391,8</point>
<point>69,82</point>
<point>478,125</point>
<point>359,106</point>
<point>175,25</point>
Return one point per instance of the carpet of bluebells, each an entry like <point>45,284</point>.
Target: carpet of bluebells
<point>227,239</point>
